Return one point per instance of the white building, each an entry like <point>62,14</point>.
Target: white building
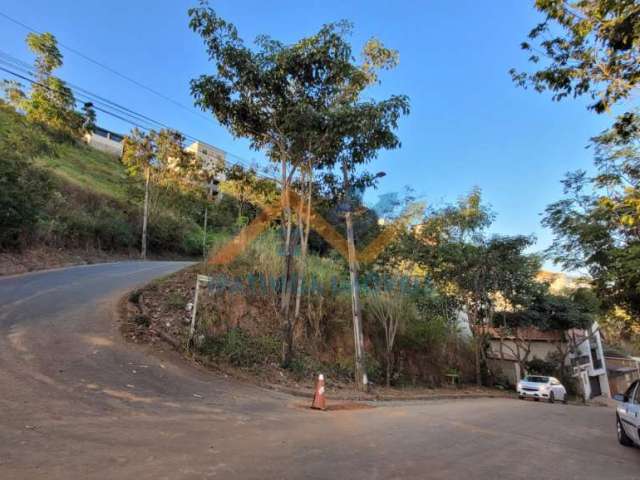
<point>105,141</point>
<point>589,362</point>
<point>213,159</point>
<point>526,344</point>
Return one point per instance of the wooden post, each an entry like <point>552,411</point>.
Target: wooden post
<point>192,328</point>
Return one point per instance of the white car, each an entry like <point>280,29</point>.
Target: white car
<point>538,386</point>
<point>628,415</point>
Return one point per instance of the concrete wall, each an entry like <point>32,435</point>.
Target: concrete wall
<point>620,381</point>
<point>539,349</point>
<point>508,369</point>
<point>104,144</point>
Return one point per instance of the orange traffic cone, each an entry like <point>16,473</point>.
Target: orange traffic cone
<point>318,398</point>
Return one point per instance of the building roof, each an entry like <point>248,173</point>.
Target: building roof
<point>526,333</point>
<point>103,132</point>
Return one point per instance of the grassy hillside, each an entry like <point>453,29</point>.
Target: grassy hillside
<point>88,168</point>
<point>74,162</point>
<point>59,192</point>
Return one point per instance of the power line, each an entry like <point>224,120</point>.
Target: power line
<point>110,69</point>
<point>132,118</point>
<point>140,120</point>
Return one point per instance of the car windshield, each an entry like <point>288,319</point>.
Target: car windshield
<point>535,379</point>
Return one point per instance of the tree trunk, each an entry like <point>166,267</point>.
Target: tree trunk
<point>358,340</point>
<point>389,364</point>
<point>477,361</point>
<point>287,347</point>
<point>304,227</point>
<point>145,215</point>
<point>475,331</point>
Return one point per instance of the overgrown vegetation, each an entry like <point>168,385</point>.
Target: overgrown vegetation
<point>592,48</point>
<point>59,192</point>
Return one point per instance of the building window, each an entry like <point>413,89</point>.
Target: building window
<point>205,152</point>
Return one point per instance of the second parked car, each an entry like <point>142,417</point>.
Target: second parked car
<point>538,386</point>
<point>628,415</point>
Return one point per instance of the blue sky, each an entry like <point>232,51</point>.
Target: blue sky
<point>469,125</point>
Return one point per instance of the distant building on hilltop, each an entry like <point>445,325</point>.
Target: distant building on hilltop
<point>105,141</point>
<point>213,159</point>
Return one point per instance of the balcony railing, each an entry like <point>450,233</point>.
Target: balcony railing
<point>581,360</point>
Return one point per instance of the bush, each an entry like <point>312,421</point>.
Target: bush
<point>103,225</point>
<point>24,192</point>
<point>538,366</point>
<point>242,350</point>
<point>304,366</point>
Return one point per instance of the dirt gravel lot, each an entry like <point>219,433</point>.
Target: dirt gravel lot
<point>76,401</point>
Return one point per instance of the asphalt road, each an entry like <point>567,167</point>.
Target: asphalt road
<point>76,401</point>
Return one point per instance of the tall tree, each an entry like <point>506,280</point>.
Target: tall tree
<point>453,247</point>
<point>597,225</point>
<point>358,130</point>
<point>89,117</point>
<point>138,156</point>
<point>392,310</point>
<point>51,101</point>
<point>287,99</point>
<point>564,314</point>
<point>270,95</point>
<point>161,159</point>
<point>585,47</point>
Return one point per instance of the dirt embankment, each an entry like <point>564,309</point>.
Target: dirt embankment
<point>161,312</point>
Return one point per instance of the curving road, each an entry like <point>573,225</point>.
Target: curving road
<point>76,401</point>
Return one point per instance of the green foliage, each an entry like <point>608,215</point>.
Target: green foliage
<point>86,168</point>
<point>24,192</point>
<point>176,301</point>
<point>171,233</point>
<point>555,312</point>
<point>538,366</point>
<point>456,252</point>
<point>241,349</point>
<point>66,194</point>
<point>105,227</point>
<point>51,102</point>
<point>89,117</point>
<point>597,225</point>
<point>45,46</point>
<point>305,366</point>
<point>585,47</point>
<point>138,152</point>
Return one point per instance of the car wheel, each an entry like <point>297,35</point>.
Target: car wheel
<point>536,399</point>
<point>565,399</point>
<point>521,397</point>
<point>552,398</point>
<point>622,435</point>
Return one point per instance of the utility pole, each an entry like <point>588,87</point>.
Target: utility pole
<point>212,191</point>
<point>143,252</point>
<point>358,340</point>
<point>204,235</point>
